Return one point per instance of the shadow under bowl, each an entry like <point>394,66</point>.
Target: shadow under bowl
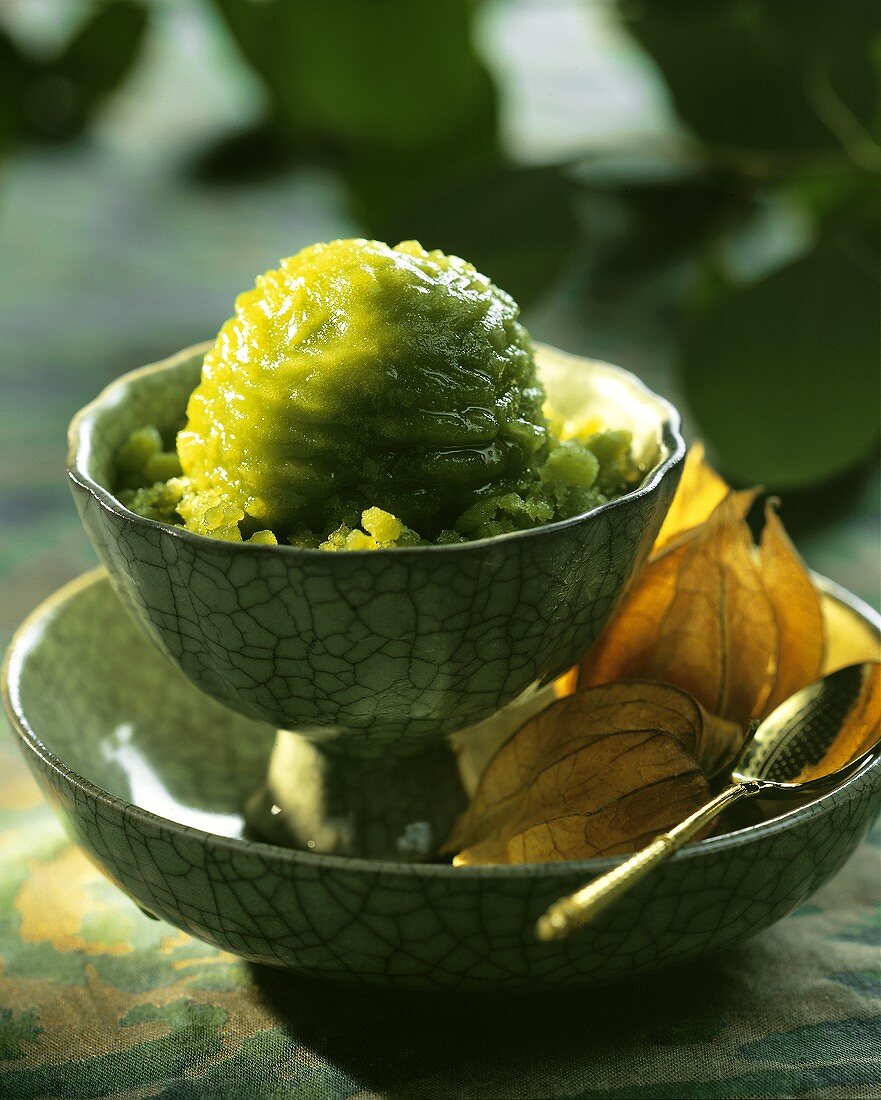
<point>150,776</point>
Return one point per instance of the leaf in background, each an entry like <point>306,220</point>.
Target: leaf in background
<point>517,225</point>
<point>97,58</point>
<point>697,616</point>
<point>103,50</point>
<point>699,492</point>
<point>394,96</point>
<point>597,773</point>
<point>846,205</point>
<point>796,603</point>
<point>252,153</point>
<point>665,223</point>
<point>764,74</point>
<point>390,73</point>
<point>782,374</point>
<point>15,72</point>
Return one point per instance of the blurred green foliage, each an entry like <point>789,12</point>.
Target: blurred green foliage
<point>780,108</point>
<point>394,96</point>
<point>391,75</point>
<point>781,367</point>
<point>754,74</point>
<point>53,98</point>
<point>782,371</point>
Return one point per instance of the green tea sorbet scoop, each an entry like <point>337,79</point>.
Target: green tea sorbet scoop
<point>359,375</point>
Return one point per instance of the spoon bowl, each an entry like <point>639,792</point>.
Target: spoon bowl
<point>817,737</point>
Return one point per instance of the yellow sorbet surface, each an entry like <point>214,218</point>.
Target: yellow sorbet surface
<point>357,376</point>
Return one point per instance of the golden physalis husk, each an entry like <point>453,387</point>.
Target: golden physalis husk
<point>596,773</point>
<point>850,640</point>
<point>797,612</point>
<point>711,635</point>
<point>739,629</point>
<point>697,617</point>
<point>700,490</point>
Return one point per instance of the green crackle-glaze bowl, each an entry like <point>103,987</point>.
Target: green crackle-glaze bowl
<point>149,774</point>
<point>369,660</point>
<point>391,645</point>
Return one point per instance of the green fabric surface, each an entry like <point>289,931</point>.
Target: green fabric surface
<point>109,258</point>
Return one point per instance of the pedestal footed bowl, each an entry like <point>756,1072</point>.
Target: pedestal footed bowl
<point>370,660</point>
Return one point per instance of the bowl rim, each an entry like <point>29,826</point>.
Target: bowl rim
<point>79,434</point>
<point>33,627</point>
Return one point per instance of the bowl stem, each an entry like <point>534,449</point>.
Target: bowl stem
<point>377,807</point>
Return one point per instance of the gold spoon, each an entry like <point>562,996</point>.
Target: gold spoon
<point>809,744</point>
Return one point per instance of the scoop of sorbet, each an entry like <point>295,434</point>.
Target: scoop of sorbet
<point>358,376</point>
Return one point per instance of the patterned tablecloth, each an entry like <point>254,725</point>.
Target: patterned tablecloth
<point>106,262</point>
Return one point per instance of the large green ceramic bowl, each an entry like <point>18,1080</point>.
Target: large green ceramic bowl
<point>390,645</point>
<point>150,776</point>
<point>370,660</point>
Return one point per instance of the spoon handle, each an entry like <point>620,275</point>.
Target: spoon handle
<point>579,908</point>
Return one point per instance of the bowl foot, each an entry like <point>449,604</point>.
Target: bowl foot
<point>399,808</point>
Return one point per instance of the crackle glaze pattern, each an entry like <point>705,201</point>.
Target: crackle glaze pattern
<point>112,733</point>
<point>394,645</point>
